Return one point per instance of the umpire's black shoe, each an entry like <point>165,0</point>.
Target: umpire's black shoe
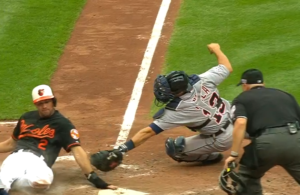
<point>214,161</point>
<point>3,192</point>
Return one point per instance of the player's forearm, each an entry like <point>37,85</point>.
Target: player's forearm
<point>82,159</point>
<point>139,138</point>
<point>7,146</point>
<point>222,59</point>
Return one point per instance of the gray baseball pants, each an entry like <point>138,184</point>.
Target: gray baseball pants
<point>201,147</point>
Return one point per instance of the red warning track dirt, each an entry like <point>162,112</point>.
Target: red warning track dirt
<point>93,84</point>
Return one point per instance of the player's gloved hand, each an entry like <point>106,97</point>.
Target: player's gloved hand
<point>99,183</point>
<point>107,160</point>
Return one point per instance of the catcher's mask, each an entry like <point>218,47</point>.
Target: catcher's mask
<point>166,87</point>
<point>224,183</point>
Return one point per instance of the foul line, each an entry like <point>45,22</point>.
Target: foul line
<point>8,123</point>
<point>140,81</point>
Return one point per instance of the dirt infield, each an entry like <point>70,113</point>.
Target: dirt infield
<point>93,84</point>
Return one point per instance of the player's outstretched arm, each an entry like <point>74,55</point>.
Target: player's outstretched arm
<point>8,145</point>
<point>222,58</point>
<point>83,161</point>
<point>108,160</point>
<point>139,138</point>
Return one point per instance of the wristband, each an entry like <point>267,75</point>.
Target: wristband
<point>94,179</point>
<point>129,145</point>
<point>234,154</point>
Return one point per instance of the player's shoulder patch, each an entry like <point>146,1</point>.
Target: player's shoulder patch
<point>74,134</point>
<point>194,79</point>
<point>159,113</point>
<point>173,104</point>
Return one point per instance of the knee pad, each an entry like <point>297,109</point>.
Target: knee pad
<point>174,148</point>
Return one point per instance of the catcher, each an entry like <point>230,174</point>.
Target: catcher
<point>191,101</point>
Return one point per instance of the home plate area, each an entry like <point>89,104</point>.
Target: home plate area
<point>123,171</point>
<point>120,191</point>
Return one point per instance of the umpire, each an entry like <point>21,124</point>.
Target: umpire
<point>271,118</point>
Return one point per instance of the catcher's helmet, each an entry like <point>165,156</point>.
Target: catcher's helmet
<point>167,86</point>
<point>225,185</point>
<point>43,92</point>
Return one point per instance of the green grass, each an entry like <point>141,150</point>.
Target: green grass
<point>32,36</point>
<point>252,33</point>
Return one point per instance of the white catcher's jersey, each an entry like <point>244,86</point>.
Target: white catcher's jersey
<point>195,108</point>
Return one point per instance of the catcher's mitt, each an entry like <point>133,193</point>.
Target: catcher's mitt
<point>107,160</point>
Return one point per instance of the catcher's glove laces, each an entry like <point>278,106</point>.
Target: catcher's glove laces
<point>107,160</point>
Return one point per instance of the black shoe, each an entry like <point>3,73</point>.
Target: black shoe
<point>3,192</point>
<point>214,161</point>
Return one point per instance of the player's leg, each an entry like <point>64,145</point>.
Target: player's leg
<point>199,148</point>
<point>13,167</point>
<point>192,149</point>
<point>2,188</point>
<point>38,175</point>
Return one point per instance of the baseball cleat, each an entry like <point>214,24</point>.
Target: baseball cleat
<point>3,192</point>
<point>214,161</point>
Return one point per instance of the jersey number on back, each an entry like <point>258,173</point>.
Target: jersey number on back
<point>43,144</point>
<point>212,102</point>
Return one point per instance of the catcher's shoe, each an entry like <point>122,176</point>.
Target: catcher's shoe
<point>3,192</point>
<point>213,161</point>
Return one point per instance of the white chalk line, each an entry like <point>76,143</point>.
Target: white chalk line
<point>5,123</point>
<point>141,79</point>
<point>142,75</point>
<point>141,174</point>
<point>134,167</point>
<point>121,191</point>
<point>218,188</point>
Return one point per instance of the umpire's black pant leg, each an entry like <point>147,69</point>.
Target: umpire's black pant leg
<point>267,156</point>
<point>291,160</point>
<point>252,179</point>
<point>294,171</point>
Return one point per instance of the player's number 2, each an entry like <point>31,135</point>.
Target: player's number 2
<point>43,143</point>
